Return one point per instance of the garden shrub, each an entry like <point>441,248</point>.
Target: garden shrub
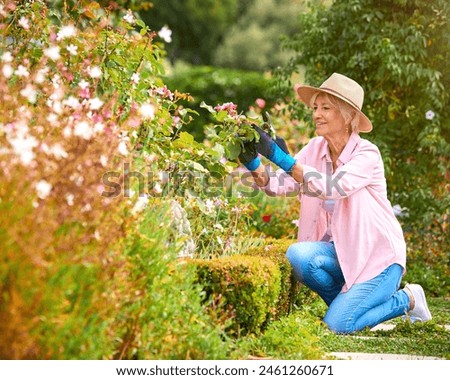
<point>79,104</point>
<point>275,250</point>
<point>243,289</point>
<point>160,315</point>
<point>293,337</point>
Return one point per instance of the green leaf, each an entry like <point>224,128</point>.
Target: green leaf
<point>141,23</point>
<point>220,116</point>
<point>197,167</point>
<point>232,150</point>
<point>208,107</point>
<point>186,138</point>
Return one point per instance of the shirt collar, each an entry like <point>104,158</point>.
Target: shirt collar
<point>352,142</point>
<point>346,154</point>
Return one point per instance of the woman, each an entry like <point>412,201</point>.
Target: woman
<point>350,248</point>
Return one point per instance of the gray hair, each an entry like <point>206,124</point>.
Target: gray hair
<point>349,114</point>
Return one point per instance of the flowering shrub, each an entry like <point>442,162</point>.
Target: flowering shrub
<point>81,107</point>
<point>233,129</point>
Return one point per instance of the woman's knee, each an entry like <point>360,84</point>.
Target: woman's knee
<point>300,252</point>
<point>301,256</point>
<point>339,324</point>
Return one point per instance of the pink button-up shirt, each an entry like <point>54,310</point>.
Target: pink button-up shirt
<point>365,231</point>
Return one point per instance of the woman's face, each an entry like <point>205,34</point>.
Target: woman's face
<point>328,119</point>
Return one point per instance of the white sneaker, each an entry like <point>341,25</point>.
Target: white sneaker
<point>420,312</point>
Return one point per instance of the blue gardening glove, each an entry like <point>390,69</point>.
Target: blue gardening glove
<point>249,156</point>
<point>275,150</point>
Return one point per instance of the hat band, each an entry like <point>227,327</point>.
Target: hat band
<point>342,96</point>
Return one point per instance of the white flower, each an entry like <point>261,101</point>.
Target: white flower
<point>7,57</point>
<point>95,72</point>
<point>140,204</point>
<point>58,151</point>
<point>86,208</point>
<point>166,34</point>
<point>22,71</point>
<point>84,130</point>
<point>122,148</point>
<point>30,93</point>
<point>71,102</point>
<point>72,49</point>
<point>218,227</point>
<point>7,71</point>
<point>69,199</point>
<point>129,18</point>
<point>66,32</point>
<point>157,188</point>
<point>83,84</point>
<point>400,211</point>
<point>52,118</point>
<point>67,132</point>
<point>52,52</point>
<point>99,127</point>
<point>103,160</point>
<point>41,74</point>
<point>147,111</point>
<point>209,205</point>
<point>95,103</point>
<point>55,106</point>
<point>135,78</point>
<point>23,146</point>
<point>429,115</point>
<point>43,189</point>
<point>24,23</point>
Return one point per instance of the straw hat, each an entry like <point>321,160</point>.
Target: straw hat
<point>343,88</point>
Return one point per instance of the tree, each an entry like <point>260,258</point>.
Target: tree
<point>253,43</point>
<point>398,50</point>
<point>197,25</point>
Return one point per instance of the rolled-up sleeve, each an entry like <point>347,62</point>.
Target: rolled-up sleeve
<point>281,184</point>
<point>346,180</point>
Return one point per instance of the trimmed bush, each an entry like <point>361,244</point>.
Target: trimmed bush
<point>275,250</point>
<point>243,289</point>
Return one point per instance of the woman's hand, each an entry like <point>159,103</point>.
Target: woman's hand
<point>249,156</point>
<point>275,150</point>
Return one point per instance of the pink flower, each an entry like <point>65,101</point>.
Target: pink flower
<point>229,107</point>
<point>84,93</point>
<point>24,23</point>
<point>261,103</point>
<point>164,92</point>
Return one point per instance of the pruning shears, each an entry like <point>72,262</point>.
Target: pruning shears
<point>268,125</point>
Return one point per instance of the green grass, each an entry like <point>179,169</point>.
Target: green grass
<point>302,335</point>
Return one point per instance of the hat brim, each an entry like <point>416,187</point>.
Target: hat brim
<point>305,94</point>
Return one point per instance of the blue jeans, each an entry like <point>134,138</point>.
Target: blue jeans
<point>365,304</point>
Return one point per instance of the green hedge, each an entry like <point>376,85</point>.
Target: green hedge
<point>216,85</point>
<point>246,292</point>
<point>241,291</point>
<point>275,250</point>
